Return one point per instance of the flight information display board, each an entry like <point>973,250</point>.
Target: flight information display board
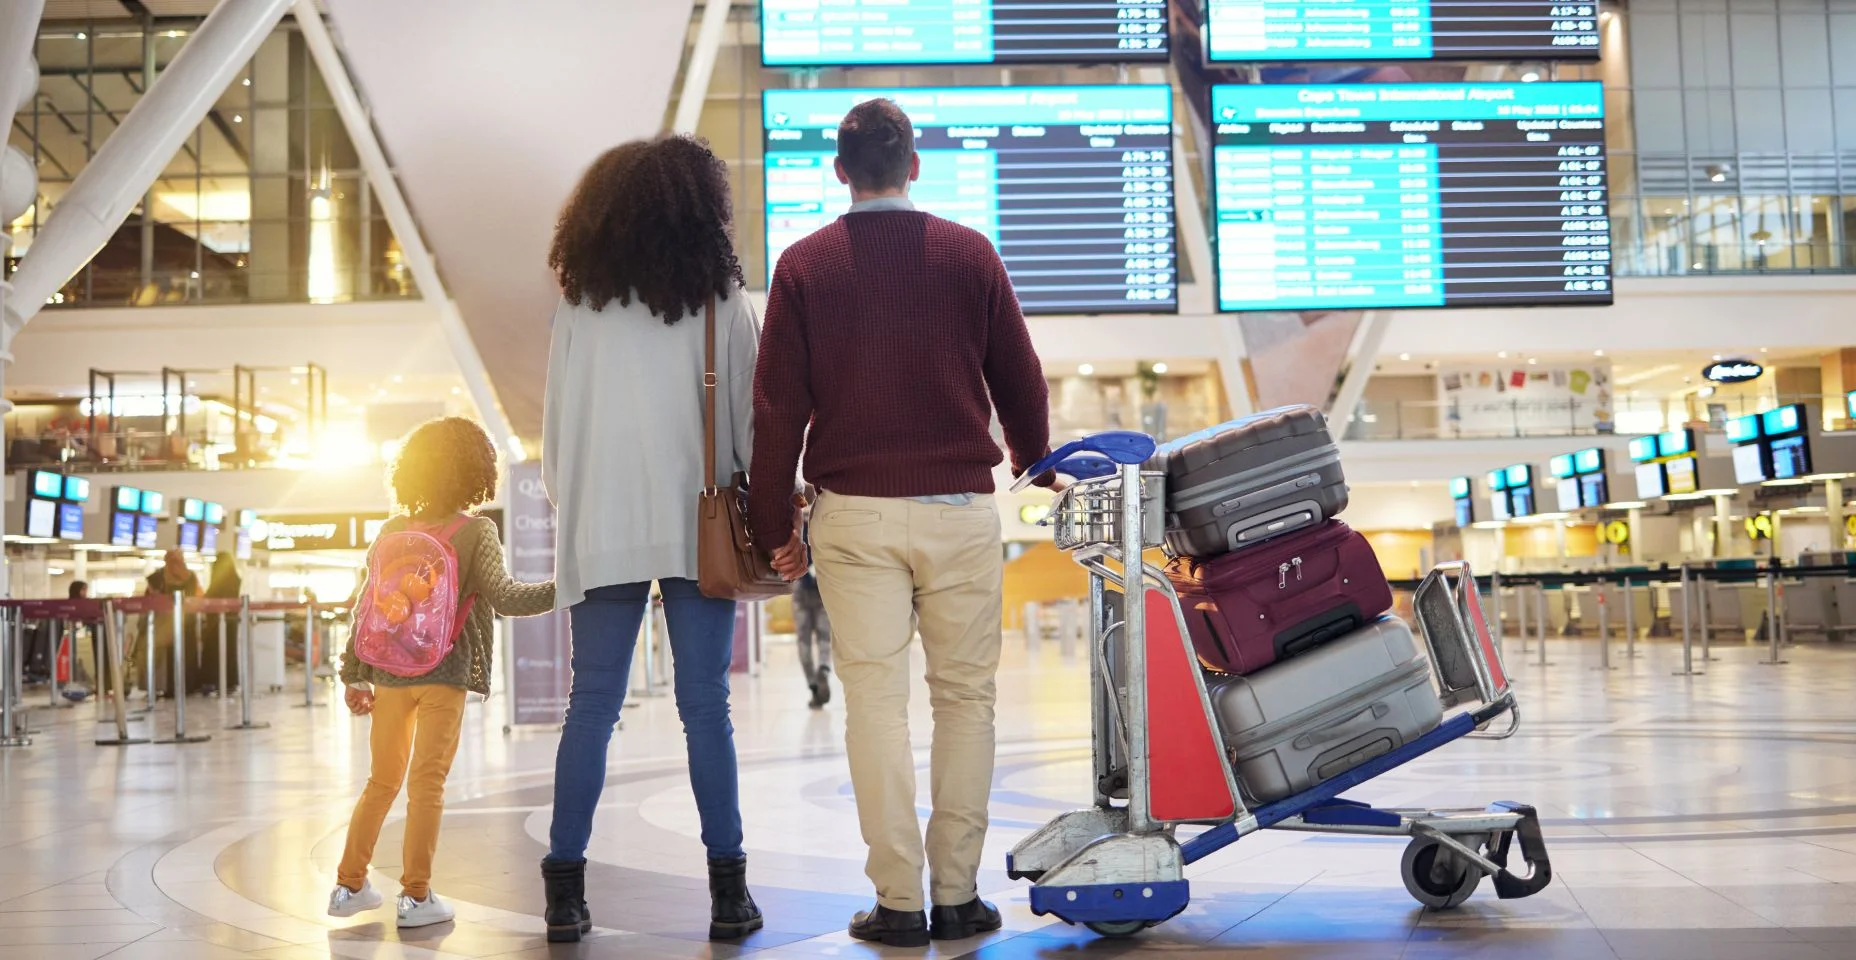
<point>1073,185</point>
<point>1276,30</point>
<point>825,33</point>
<point>1411,195</point>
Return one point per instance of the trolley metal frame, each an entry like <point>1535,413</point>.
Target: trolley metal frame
<point>1117,869</point>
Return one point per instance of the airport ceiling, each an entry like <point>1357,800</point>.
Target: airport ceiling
<point>76,10</point>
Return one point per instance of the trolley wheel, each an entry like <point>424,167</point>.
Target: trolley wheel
<point>1436,876</point>
<point>1117,929</point>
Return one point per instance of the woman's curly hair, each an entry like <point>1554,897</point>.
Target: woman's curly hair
<point>444,466</point>
<point>650,219</point>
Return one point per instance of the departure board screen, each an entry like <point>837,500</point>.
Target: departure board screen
<point>1275,30</point>
<point>1411,195</point>
<point>812,33</point>
<point>1073,185</point>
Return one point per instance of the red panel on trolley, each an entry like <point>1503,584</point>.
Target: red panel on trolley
<point>1185,776</point>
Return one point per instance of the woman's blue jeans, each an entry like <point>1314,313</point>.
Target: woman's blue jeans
<point>605,631</point>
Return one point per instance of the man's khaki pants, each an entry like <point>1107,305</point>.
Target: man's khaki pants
<point>885,565</point>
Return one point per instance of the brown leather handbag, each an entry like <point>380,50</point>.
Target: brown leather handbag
<point>728,565</point>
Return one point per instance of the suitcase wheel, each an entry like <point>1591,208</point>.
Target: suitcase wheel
<point>1436,876</point>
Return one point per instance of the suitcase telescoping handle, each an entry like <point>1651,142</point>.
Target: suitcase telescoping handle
<point>1356,724</point>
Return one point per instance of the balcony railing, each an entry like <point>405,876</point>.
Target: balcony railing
<point>1442,420</point>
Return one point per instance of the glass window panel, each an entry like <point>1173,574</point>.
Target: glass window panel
<point>1843,45</point>
<point>1805,58</point>
<point>1754,44</point>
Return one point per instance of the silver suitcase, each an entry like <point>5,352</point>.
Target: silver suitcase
<point>1314,717</point>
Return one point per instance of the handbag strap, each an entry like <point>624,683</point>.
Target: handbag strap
<point>708,400</point>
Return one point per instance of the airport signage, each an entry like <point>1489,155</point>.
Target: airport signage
<point>1732,371</point>
<point>326,531</point>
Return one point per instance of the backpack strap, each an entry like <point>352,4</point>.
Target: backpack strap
<point>451,529</point>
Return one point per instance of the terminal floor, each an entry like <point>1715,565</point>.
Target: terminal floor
<point>1689,817</point>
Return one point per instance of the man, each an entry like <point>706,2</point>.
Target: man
<point>812,629</point>
<point>896,335</point>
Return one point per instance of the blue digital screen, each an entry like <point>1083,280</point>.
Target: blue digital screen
<point>147,532</point>
<point>824,33</point>
<point>1642,449</point>
<point>1561,466</point>
<point>153,502</point>
<point>1465,512</point>
<point>122,528</point>
<point>1363,196</point>
<point>215,513</point>
<point>1498,480</point>
<point>76,489</point>
<point>129,498</point>
<point>246,518</point>
<point>191,509</point>
<point>1073,185</point>
<point>209,539</point>
<point>1674,443</point>
<point>189,539</point>
<point>47,484</point>
<point>1589,460</point>
<point>1520,475</point>
<point>70,521</point>
<point>1594,490</point>
<point>1850,401</point>
<point>1782,420</point>
<point>1521,501</point>
<point>1742,429</point>
<point>1362,30</point>
<point>1791,458</point>
<point>1459,488</point>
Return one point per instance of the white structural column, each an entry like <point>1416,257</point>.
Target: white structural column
<point>701,67</point>
<point>114,180</point>
<point>1365,351</point>
<point>393,204</point>
<point>19,182</point>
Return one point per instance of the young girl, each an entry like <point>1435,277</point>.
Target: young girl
<point>444,468</point>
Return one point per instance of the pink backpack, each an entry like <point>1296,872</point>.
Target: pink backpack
<point>409,619</point>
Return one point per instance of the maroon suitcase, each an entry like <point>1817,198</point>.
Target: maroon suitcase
<point>1249,609</point>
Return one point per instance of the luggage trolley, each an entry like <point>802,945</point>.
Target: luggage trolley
<point>1160,759</point>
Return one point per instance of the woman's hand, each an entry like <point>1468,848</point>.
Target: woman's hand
<point>360,702</point>
<point>792,560</point>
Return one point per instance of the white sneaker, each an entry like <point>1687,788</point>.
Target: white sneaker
<point>424,913</point>
<point>344,902</point>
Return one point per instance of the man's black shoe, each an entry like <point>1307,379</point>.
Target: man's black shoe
<point>892,928</point>
<point>970,919</point>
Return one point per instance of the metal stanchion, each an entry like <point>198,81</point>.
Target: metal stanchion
<point>1544,622</point>
<point>148,643</point>
<point>244,665</point>
<point>1604,625</point>
<point>225,689</point>
<point>55,688</point>
<point>1775,617</point>
<point>649,664</point>
<point>1520,614</point>
<point>10,618</point>
<point>110,657</point>
<point>312,644</point>
<point>16,680</point>
<point>1688,632</point>
<point>180,677</point>
<point>1069,627</point>
<point>1630,619</point>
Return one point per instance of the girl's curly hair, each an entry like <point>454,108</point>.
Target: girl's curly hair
<point>649,219</point>
<point>444,466</point>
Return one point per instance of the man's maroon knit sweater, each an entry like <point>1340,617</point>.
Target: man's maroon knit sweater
<point>894,334</point>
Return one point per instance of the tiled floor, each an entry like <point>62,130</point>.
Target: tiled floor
<point>1694,818</point>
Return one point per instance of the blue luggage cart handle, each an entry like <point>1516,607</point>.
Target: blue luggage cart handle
<point>1109,448</point>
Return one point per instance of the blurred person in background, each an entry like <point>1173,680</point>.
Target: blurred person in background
<point>223,583</point>
<point>168,579</point>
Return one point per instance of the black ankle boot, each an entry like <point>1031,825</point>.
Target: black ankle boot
<point>567,916</point>
<point>732,913</point>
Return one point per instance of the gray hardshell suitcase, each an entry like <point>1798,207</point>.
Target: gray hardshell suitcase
<point>1314,717</point>
<point>1251,479</point>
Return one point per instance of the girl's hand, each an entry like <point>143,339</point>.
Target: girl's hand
<point>360,702</point>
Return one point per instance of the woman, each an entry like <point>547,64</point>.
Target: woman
<point>641,252</point>
<point>224,584</point>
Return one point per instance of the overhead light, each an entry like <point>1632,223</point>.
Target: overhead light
<point>82,35</point>
<point>1717,358</point>
<point>398,379</point>
<point>194,274</point>
<point>1531,361</point>
<point>1086,369</point>
<point>238,118</point>
<point>1404,356</point>
<point>1598,353</point>
<point>1159,368</point>
<point>456,391</point>
<point>1529,77</point>
<point>1502,355</point>
<point>1626,505</point>
<point>247,82</point>
<point>1696,266</point>
<point>1764,350</point>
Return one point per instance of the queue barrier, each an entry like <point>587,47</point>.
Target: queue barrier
<point>1763,589</point>
<point>110,617</point>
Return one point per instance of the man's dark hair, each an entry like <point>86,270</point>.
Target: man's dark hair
<point>875,143</point>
